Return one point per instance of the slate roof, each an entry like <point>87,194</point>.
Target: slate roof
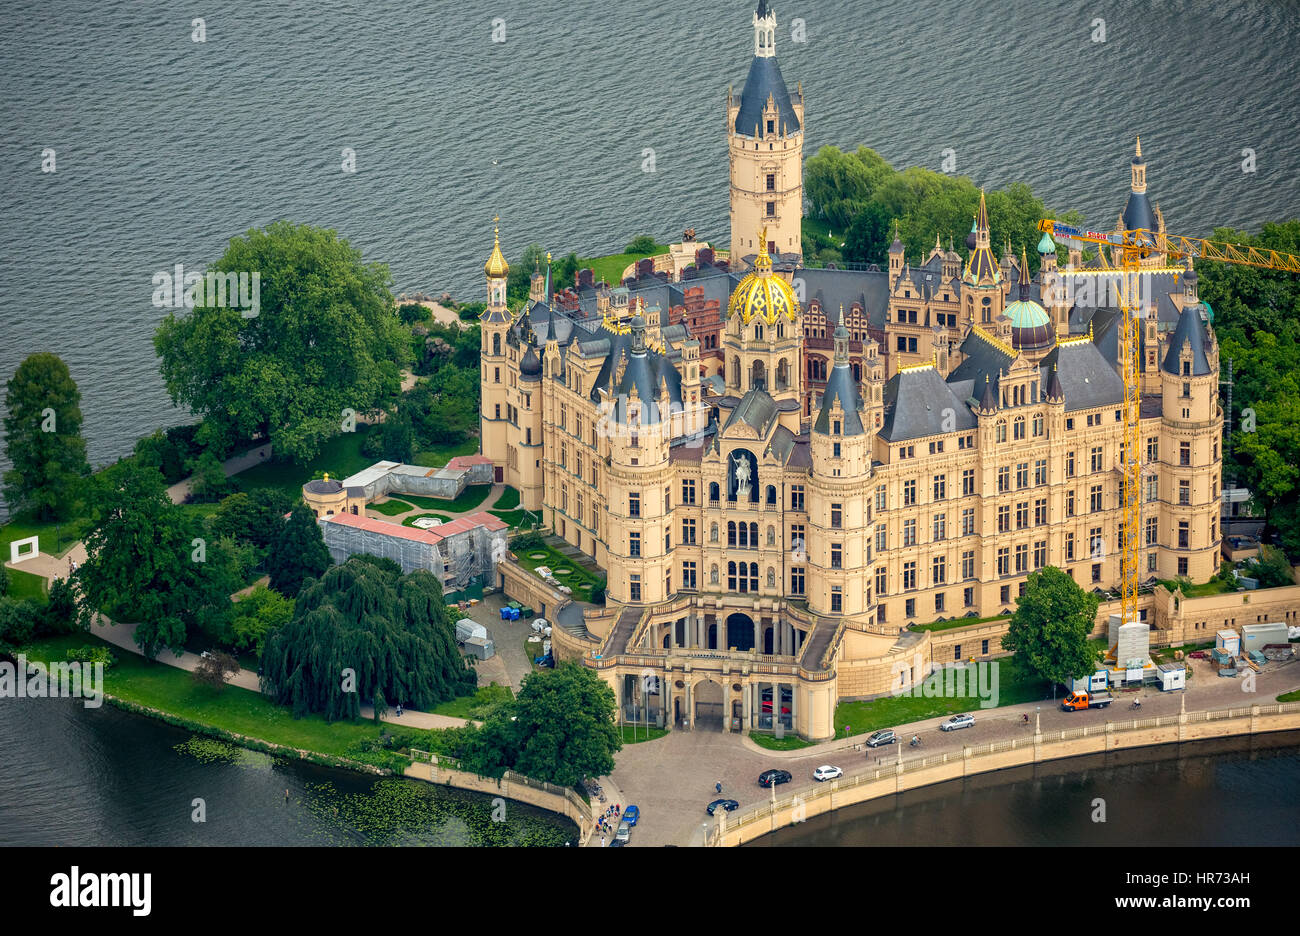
<point>841,386</point>
<point>765,80</point>
<point>917,400</point>
<point>756,409</point>
<point>1138,213</point>
<point>833,288</point>
<point>1087,379</point>
<point>1190,331</point>
<point>981,358</point>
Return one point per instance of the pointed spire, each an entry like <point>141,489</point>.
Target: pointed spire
<point>496,266</point>
<point>982,220</point>
<point>1139,148</point>
<point>841,336</point>
<point>1024,274</point>
<point>988,404</point>
<point>1054,391</point>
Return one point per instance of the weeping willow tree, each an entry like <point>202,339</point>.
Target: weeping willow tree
<point>390,630</point>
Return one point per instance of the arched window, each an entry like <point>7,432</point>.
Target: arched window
<point>713,491</point>
<point>771,495</point>
<point>731,533</point>
<point>1019,425</point>
<point>735,371</point>
<point>758,331</point>
<point>731,576</point>
<point>753,535</point>
<point>783,374</point>
<point>1000,431</point>
<point>753,576</point>
<point>758,376</point>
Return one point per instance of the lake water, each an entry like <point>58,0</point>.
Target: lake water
<point>77,776</point>
<point>165,148</point>
<point>1237,791</point>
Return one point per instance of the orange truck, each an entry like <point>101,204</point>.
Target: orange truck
<point>1080,701</point>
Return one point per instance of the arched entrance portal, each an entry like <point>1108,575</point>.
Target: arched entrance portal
<point>708,705</point>
<point>740,631</point>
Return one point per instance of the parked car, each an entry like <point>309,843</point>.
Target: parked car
<point>772,777</point>
<point>631,815</point>
<point>624,832</point>
<point>884,736</point>
<point>617,843</point>
<point>728,804</point>
<point>827,772</point>
<point>957,721</point>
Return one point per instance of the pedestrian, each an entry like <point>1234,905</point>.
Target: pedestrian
<point>286,796</point>
<point>847,731</point>
<point>718,786</point>
<point>602,841</point>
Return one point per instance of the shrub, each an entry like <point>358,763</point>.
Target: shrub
<point>93,655</point>
<point>525,541</point>
<point>411,312</point>
<point>642,243</point>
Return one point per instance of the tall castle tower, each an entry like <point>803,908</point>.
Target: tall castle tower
<point>765,141</point>
<point>494,325</point>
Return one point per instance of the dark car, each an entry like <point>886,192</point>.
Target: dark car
<point>884,736</point>
<point>617,843</point>
<point>728,804</point>
<point>772,777</point>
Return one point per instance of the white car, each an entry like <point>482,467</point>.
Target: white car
<point>957,721</point>
<point>827,772</point>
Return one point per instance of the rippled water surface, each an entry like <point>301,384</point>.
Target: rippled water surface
<point>166,148</point>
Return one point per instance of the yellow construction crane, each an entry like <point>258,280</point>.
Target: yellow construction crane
<point>1131,248</point>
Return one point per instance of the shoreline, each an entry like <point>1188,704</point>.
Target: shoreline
<point>903,776</point>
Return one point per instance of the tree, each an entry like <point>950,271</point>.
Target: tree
<point>364,628</point>
<point>214,668</point>
<point>1048,632</point>
<point>397,440</point>
<point>559,729</point>
<point>298,552</point>
<point>42,429</point>
<point>210,481</point>
<point>59,616</point>
<point>257,614</point>
<point>326,339</point>
<point>18,621</point>
<point>147,561</point>
<point>381,705</point>
<point>1273,569</point>
<point>254,517</point>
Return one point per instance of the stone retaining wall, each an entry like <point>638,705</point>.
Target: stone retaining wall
<point>1093,739</point>
<point>512,786</point>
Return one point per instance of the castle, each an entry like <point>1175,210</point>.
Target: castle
<point>783,468</point>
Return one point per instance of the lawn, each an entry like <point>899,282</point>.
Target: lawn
<point>508,500</point>
<point>958,622</point>
<point>341,457</point>
<point>634,734</point>
<point>56,537</point>
<point>410,521</point>
<point>235,710</point>
<point>27,585</point>
<point>1292,696</point>
<point>791,741</point>
<point>578,578</point>
<point>469,498</point>
<point>517,518</point>
<point>477,705</point>
<point>610,268</point>
<point>1213,587</point>
<point>892,711</point>
<point>390,508</point>
<point>439,455</point>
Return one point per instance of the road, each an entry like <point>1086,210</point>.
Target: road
<point>672,779</point>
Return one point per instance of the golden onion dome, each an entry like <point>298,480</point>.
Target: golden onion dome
<point>496,266</point>
<point>762,293</point>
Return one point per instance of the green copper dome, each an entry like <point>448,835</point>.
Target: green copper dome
<point>1046,245</point>
<point>1025,313</point>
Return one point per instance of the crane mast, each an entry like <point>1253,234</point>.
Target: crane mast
<point>1132,247</point>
